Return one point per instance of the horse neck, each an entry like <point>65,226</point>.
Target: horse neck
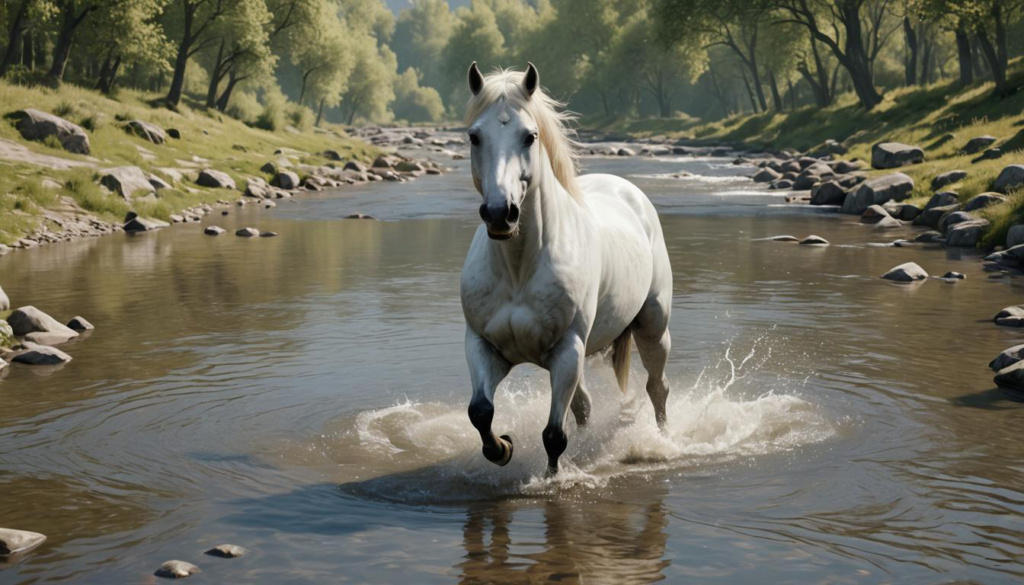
<point>546,214</point>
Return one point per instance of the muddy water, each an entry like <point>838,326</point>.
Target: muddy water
<point>304,396</point>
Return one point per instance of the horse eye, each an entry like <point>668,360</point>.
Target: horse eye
<point>474,140</point>
<point>530,138</point>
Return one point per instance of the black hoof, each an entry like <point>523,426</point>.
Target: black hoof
<point>502,457</point>
<point>550,472</point>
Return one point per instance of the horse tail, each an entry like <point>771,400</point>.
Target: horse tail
<point>621,351</point>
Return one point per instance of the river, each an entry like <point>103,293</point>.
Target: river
<point>304,397</point>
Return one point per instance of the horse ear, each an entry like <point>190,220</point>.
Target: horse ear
<point>476,81</point>
<point>531,80</point>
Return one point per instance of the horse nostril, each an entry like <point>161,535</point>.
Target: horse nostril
<point>483,213</point>
<point>513,213</point>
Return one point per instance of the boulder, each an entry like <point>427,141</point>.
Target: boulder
<point>990,154</point>
<point>268,234</point>
<point>257,188</point>
<point>174,133</point>
<point>975,145</point>
<point>828,193</point>
<point>813,240</point>
<point>286,180</point>
<point>1007,358</point>
<point>332,155</point>
<point>158,183</point>
<point>888,223</point>
<point>134,223</point>
<point>849,181</point>
<point>896,186</point>
<point>984,200</point>
<point>907,272</point>
<point>126,181</point>
<point>150,132</point>
<point>29,319</point>
<point>247,232</point>
<point>891,155</point>
<point>947,178</point>
<point>966,234</point>
<point>80,324</point>
<point>781,184</point>
<point>766,175</point>
<point>227,551</point>
<point>844,167</point>
<point>942,199</point>
<point>215,179</point>
<point>1010,178</point>
<point>873,214</point>
<point>18,541</point>
<point>5,302</point>
<point>785,238</point>
<point>805,182</point>
<point>953,276</point>
<point>929,237</point>
<point>833,146</point>
<point>1010,317</point>
<point>275,166</point>
<point>41,355</point>
<point>906,212</point>
<point>790,166</point>
<point>214,230</point>
<point>354,165</point>
<point>625,152</point>
<point>1015,236</point>
<point>952,218</point>
<point>36,125</point>
<point>407,166</point>
<point>384,162</point>
<point>1011,377</point>
<point>176,570</point>
<point>932,217</point>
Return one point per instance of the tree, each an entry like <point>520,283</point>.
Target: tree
<point>72,13</point>
<point>415,103</point>
<point>243,48</point>
<point>127,33</point>
<point>323,56</point>
<point>476,38</point>
<point>422,32</point>
<point>371,86</point>
<point>194,17</point>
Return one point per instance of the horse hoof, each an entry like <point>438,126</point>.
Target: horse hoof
<point>501,459</point>
<point>550,472</point>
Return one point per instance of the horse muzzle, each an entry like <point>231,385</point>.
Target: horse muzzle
<point>502,219</point>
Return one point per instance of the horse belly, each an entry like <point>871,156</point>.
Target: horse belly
<point>626,277</point>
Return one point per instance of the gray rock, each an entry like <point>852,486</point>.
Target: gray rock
<point>978,144</point>
<point>1007,358</point>
<point>621,152</point>
<point>942,199</point>
<point>844,167</point>
<point>781,184</point>
<point>954,275</point>
<point>213,230</point>
<point>890,155</point>
<point>247,232</point>
<point>354,165</point>
<point>150,132</point>
<point>1011,177</point>
<point>268,234</point>
<point>929,237</point>
<point>1015,236</point>
<point>990,154</point>
<point>984,200</point>
<point>286,180</point>
<point>828,193</point>
<point>874,214</point>
<point>813,240</point>
<point>18,541</point>
<point>804,182</point>
<point>174,133</point>
<point>784,239</point>
<point>36,125</point>
<point>408,166</point>
<point>177,570</point>
<point>332,155</point>
<point>888,223</point>
<point>1012,316</point>
<point>906,212</point>
<point>907,272</point>
<point>952,218</point>
<point>932,217</point>
<point>28,319</point>
<point>41,355</point>
<point>1011,377</point>
<point>257,188</point>
<point>80,324</point>
<point>947,178</point>
<point>134,223</point>
<point>966,234</point>
<point>227,551</point>
<point>215,179</point>
<point>158,183</point>
<point>894,187</point>
<point>360,216</point>
<point>5,303</point>
<point>126,181</point>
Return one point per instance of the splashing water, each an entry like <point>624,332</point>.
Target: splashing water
<point>427,452</point>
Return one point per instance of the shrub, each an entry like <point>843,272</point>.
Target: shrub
<point>64,109</point>
<point>245,107</point>
<point>300,116</point>
<point>273,115</point>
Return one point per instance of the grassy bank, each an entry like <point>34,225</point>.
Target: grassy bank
<point>940,119</point>
<point>28,190</point>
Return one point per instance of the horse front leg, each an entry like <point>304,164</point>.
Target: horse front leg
<point>487,368</point>
<point>566,369</point>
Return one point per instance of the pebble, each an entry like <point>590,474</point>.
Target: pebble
<point>176,570</point>
<point>247,232</point>
<point>954,275</point>
<point>813,240</point>
<point>213,230</point>
<point>268,234</point>
<point>80,324</point>
<point>227,551</point>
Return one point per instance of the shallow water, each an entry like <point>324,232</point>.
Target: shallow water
<point>304,396</point>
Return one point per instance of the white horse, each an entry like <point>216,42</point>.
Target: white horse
<point>563,267</point>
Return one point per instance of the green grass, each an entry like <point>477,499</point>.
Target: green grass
<point>228,144</point>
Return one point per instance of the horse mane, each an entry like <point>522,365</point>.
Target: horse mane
<point>553,130</point>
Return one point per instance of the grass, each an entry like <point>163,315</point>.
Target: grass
<point>939,118</point>
<point>227,144</point>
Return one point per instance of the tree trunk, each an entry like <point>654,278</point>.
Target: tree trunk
<point>225,98</point>
<point>109,77</point>
<point>792,95</point>
<point>776,97</point>
<point>104,71</point>
<point>856,59</point>
<point>756,81</point>
<point>992,57</point>
<point>910,62</point>
<point>750,91</point>
<point>215,77</point>
<point>27,51</point>
<point>726,110</point>
<point>65,39</point>
<point>320,113</point>
<point>822,72</point>
<point>927,62</point>
<point>14,37</point>
<point>963,51</point>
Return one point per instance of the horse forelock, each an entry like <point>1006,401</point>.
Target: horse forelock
<point>553,122</point>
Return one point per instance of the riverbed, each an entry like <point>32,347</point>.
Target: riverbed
<point>304,397</point>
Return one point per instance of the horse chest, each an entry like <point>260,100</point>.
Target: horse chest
<point>524,324</point>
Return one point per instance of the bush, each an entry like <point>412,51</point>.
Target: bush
<point>415,103</point>
<point>64,109</point>
<point>300,116</point>
<point>244,107</point>
<point>272,117</point>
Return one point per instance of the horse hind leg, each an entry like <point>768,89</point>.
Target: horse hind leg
<point>580,404</point>
<point>653,343</point>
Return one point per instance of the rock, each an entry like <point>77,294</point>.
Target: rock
<point>157,183</point>
<point>213,230</point>
<point>844,167</point>
<point>954,275</point>
<point>1010,317</point>
<point>332,155</point>
<point>894,187</point>
<point>828,193</point>
<point>990,154</point>
<point>36,125</point>
<point>625,152</point>
<point>360,216</point>
<point>765,175</point>
<point>247,232</point>
<point>942,199</point>
<point>126,181</point>
<point>275,166</point>
<point>5,302</point>
<point>384,162</point>
<point>1011,377</point>
<point>890,155</point>
<point>784,239</point>
<point>286,180</point>
<point>174,133</point>
<point>28,319</point>
<point>932,217</point>
<point>952,218</point>
<point>268,234</point>
<point>80,324</point>
<point>134,223</point>
<point>906,212</point>
<point>833,146</point>
<point>874,214</point>
<point>268,204</point>
<point>258,188</point>
<point>888,223</point>
<point>984,200</point>
<point>978,144</point>
<point>805,182</point>
<point>227,551</point>
<point>813,240</point>
<point>215,179</point>
<point>947,178</point>
<point>781,184</point>
<point>18,541</point>
<point>1015,236</point>
<point>354,165</point>
<point>150,132</point>
<point>907,272</point>
<point>406,166</point>
<point>1009,357</point>
<point>967,234</point>
<point>41,355</point>
<point>1011,177</point>
<point>176,570</point>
